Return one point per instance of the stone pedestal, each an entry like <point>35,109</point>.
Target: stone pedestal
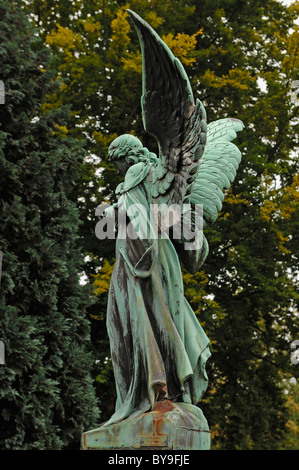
<point>169,426</point>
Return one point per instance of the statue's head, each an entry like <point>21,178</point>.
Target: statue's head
<point>123,151</point>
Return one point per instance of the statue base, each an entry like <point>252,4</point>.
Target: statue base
<point>169,426</point>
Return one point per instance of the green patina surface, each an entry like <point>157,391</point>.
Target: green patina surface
<point>158,347</point>
<point>168,426</point>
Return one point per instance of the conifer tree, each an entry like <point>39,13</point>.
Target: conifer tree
<point>47,396</point>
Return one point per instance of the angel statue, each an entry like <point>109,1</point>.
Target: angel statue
<point>158,347</point>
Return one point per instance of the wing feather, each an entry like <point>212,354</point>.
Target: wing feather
<point>218,167</point>
<point>224,130</point>
<point>197,162</point>
<point>170,114</point>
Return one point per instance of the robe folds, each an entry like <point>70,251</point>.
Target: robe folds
<point>157,343</point>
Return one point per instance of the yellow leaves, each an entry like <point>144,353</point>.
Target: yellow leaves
<point>211,79</point>
<point>293,405</point>
<point>133,64</point>
<point>292,192</point>
<point>267,209</point>
<point>63,37</point>
<point>286,211</point>
<point>282,202</point>
<point>62,131</point>
<point>101,285</point>
<point>65,40</point>
<point>279,204</point>
<point>292,426</point>
<point>294,7</point>
<point>234,199</point>
<point>195,292</point>
<point>91,26</point>
<point>120,40</point>
<point>153,19</point>
<point>120,32</point>
<point>215,430</point>
<point>181,45</point>
<point>102,140</point>
<point>120,25</point>
<point>201,279</point>
<point>291,60</point>
<point>290,44</point>
<point>236,78</point>
<point>102,278</point>
<point>281,242</point>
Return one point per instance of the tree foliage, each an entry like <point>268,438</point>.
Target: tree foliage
<point>47,396</point>
<point>242,59</point>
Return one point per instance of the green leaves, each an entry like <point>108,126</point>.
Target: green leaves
<point>43,320</point>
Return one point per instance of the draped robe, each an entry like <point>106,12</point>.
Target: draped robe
<point>157,343</point>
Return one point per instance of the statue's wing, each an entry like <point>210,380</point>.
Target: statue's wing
<point>218,167</point>
<point>171,115</point>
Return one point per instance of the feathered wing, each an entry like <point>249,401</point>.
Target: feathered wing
<point>171,115</point>
<point>196,162</point>
<point>218,167</point>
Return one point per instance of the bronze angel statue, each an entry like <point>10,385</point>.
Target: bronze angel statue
<point>158,347</point>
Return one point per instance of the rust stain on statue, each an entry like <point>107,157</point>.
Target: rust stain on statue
<point>161,409</point>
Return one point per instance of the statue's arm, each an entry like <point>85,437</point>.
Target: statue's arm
<point>192,259</point>
<point>192,246</point>
<point>140,246</point>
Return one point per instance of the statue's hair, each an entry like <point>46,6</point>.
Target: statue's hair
<point>128,147</point>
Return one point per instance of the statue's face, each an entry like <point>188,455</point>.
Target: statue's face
<point>119,150</point>
<point>122,166</point>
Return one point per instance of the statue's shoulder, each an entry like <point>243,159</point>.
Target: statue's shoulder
<point>135,175</point>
